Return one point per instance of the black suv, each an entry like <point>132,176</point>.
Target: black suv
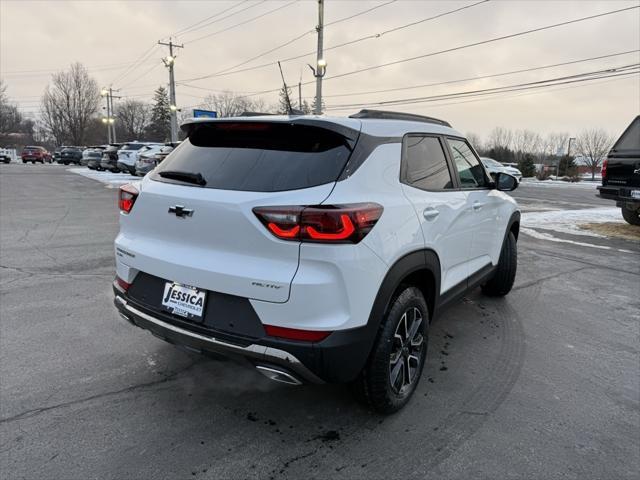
<point>621,173</point>
<point>71,155</point>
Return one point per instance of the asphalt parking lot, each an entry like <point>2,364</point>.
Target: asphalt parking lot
<point>541,384</point>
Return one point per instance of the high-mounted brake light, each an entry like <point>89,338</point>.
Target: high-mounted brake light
<point>127,196</point>
<point>323,223</point>
<point>296,334</point>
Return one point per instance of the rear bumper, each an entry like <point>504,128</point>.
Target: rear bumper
<point>337,359</point>
<point>622,195</point>
<point>126,168</point>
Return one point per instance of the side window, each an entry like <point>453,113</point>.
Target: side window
<point>469,169</point>
<point>424,164</point>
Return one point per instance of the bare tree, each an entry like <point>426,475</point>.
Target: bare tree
<point>474,140</point>
<point>555,144</point>
<point>68,103</point>
<point>132,117</point>
<point>500,138</point>
<point>10,116</point>
<point>526,141</point>
<point>593,145</point>
<point>229,104</point>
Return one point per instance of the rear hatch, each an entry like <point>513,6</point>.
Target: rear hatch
<point>221,245</point>
<point>623,161</point>
<point>129,153</point>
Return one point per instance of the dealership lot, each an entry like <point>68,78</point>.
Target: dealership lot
<point>541,384</point>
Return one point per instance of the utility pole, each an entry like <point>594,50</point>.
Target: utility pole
<point>111,122</point>
<point>169,62</point>
<point>300,95</point>
<point>321,65</point>
<point>560,159</point>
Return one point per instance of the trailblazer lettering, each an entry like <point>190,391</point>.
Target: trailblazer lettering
<point>184,297</point>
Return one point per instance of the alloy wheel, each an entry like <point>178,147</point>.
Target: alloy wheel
<point>406,353</point>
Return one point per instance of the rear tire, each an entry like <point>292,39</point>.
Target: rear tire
<point>505,274</point>
<point>395,365</point>
<point>632,217</point>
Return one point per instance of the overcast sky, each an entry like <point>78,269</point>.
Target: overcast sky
<point>41,37</point>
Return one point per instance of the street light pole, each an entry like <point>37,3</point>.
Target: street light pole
<point>321,64</point>
<point>105,93</point>
<point>169,62</point>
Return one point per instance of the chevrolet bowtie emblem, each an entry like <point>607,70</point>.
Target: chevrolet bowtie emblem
<point>180,211</point>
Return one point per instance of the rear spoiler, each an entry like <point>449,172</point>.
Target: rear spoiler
<point>350,134</point>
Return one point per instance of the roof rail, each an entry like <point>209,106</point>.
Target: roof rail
<point>385,115</point>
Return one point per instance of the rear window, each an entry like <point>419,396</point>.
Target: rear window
<point>630,139</point>
<point>259,157</point>
<point>133,146</point>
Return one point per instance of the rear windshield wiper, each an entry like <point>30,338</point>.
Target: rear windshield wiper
<point>189,177</point>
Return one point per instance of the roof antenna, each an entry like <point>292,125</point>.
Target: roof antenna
<point>292,111</point>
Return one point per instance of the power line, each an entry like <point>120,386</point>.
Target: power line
<point>135,64</point>
<point>254,5</point>
<point>351,42</point>
<point>190,27</point>
<point>288,42</point>
<point>363,12</point>
<point>467,79</point>
<point>144,74</point>
<point>604,73</point>
<point>526,93</point>
<point>269,12</point>
<point>483,42</point>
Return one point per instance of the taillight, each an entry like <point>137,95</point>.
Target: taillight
<point>122,284</point>
<point>296,334</point>
<point>604,168</point>
<point>323,223</point>
<point>127,197</point>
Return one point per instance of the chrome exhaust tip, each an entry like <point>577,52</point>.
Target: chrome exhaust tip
<point>277,375</point>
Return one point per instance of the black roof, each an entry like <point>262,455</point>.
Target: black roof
<point>385,115</point>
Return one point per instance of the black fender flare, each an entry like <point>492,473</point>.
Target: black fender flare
<point>515,218</point>
<point>344,354</point>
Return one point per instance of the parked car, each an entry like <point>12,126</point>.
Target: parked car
<point>150,158</point>
<point>294,242</point>
<point>56,153</point>
<point>91,153</point>
<point>34,154</point>
<point>110,158</point>
<point>128,155</point>
<point>71,155</point>
<point>493,167</point>
<point>621,173</point>
<point>5,156</point>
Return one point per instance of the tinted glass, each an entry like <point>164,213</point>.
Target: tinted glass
<point>132,146</point>
<point>259,157</point>
<point>469,169</point>
<point>425,165</point>
<point>630,139</point>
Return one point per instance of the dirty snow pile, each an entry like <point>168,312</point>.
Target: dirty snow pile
<point>569,221</point>
<point>111,179</point>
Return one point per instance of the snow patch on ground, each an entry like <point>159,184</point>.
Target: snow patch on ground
<point>532,182</point>
<point>569,221</point>
<point>112,180</point>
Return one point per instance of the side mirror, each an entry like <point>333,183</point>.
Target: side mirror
<point>506,182</point>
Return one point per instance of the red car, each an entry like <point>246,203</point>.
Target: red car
<point>35,154</point>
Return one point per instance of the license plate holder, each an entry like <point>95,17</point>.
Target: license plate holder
<point>184,300</point>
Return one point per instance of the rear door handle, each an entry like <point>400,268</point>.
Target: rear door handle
<point>477,206</point>
<point>430,213</point>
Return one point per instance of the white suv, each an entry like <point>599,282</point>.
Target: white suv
<point>318,248</point>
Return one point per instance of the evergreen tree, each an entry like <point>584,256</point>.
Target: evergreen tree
<point>527,166</point>
<point>283,106</point>
<point>313,105</point>
<point>159,128</point>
